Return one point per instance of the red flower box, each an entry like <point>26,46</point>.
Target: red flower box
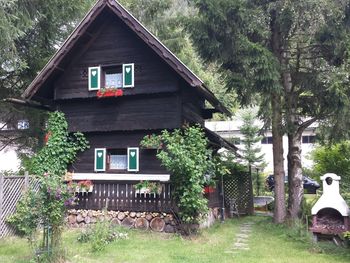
<point>209,189</point>
<point>109,93</point>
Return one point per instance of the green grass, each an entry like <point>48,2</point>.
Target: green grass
<point>268,243</point>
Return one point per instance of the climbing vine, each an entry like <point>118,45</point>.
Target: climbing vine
<point>186,155</point>
<point>47,206</point>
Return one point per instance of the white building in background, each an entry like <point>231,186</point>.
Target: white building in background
<point>8,156</point>
<point>230,129</point>
<point>9,160</point>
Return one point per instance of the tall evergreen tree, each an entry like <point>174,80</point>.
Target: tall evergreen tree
<point>30,33</point>
<point>251,152</point>
<point>276,49</point>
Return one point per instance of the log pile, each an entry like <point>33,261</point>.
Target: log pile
<point>159,222</point>
<point>328,224</point>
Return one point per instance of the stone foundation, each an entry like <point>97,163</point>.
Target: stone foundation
<point>159,222</point>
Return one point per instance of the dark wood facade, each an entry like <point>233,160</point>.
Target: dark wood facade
<point>165,95</point>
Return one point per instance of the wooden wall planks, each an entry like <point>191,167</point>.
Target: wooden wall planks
<point>123,113</point>
<point>117,45</point>
<point>118,140</point>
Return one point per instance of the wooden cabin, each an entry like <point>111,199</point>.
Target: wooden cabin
<point>151,90</point>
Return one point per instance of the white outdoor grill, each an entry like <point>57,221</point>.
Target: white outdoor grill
<point>330,214</point>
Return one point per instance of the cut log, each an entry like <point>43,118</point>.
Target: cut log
<point>149,217</point>
<point>121,216</point>
<point>115,221</point>
<point>128,222</point>
<point>132,214</point>
<point>142,223</point>
<point>80,218</point>
<point>157,224</point>
<point>169,229</point>
<point>167,219</point>
<point>72,219</point>
<point>87,220</point>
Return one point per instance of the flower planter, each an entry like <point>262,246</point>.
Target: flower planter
<point>209,189</point>
<point>109,93</point>
<point>79,189</point>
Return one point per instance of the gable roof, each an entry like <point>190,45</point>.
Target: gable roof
<point>180,68</point>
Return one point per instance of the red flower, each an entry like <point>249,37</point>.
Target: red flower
<point>119,92</point>
<point>47,136</point>
<point>99,94</point>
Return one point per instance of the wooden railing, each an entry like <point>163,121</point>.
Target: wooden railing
<point>123,196</point>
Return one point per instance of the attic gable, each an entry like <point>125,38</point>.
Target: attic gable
<point>54,66</point>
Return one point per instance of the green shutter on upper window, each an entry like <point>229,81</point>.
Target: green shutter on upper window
<point>94,78</point>
<point>128,75</point>
<point>100,160</point>
<point>133,159</point>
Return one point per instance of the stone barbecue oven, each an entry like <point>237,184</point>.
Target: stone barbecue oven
<point>330,214</point>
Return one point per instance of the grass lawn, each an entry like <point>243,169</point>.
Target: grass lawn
<point>267,242</point>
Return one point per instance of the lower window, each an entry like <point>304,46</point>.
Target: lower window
<point>117,159</point>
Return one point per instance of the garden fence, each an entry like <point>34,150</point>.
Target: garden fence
<point>238,187</point>
<point>11,190</point>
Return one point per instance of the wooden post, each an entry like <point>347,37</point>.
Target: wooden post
<point>26,180</point>
<point>1,194</point>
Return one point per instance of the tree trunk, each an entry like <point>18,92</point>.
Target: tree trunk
<point>278,167</point>
<point>295,180</point>
<point>295,177</point>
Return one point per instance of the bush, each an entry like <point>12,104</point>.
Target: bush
<point>334,159</point>
<point>100,235</point>
<point>185,154</point>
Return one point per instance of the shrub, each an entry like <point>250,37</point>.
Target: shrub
<point>185,154</point>
<point>334,159</point>
<point>100,235</point>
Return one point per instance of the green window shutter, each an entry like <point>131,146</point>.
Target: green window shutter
<point>100,160</point>
<point>133,159</point>
<point>94,78</point>
<point>128,75</point>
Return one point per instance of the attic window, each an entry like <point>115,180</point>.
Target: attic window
<point>121,76</point>
<point>113,77</point>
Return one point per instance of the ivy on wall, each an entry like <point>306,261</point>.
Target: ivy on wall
<point>47,206</point>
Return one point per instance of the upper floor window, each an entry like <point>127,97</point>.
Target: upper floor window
<point>308,139</point>
<point>267,140</point>
<point>111,77</point>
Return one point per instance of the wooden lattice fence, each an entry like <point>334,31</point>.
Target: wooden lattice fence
<point>11,190</point>
<point>238,187</point>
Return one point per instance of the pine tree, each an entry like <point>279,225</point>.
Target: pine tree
<point>252,151</point>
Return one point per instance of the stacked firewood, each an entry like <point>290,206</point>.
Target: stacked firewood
<point>332,224</point>
<point>160,222</point>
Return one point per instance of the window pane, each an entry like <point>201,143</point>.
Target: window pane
<point>114,80</point>
<point>118,162</point>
